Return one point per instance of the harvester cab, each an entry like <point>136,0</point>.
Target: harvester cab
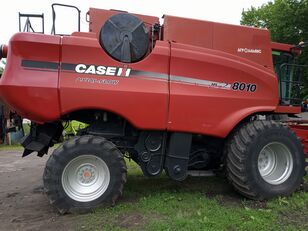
<point>289,72</point>
<point>157,93</point>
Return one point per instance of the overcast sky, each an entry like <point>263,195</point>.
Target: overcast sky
<point>225,11</point>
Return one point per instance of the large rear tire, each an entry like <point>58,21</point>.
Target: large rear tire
<point>84,173</point>
<point>265,159</point>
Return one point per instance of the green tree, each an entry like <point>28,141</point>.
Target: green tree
<point>287,21</point>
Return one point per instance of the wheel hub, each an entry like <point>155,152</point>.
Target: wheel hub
<point>266,161</point>
<point>275,163</point>
<point>85,178</point>
<point>86,174</point>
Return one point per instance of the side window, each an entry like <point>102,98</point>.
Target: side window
<point>280,58</point>
<point>289,77</point>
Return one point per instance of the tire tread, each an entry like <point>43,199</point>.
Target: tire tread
<point>236,152</point>
<point>51,180</point>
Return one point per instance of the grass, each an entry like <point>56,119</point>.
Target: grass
<point>4,147</point>
<point>195,204</point>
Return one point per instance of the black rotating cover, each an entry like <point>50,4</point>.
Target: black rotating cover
<point>125,38</point>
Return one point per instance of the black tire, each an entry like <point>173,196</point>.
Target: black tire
<point>278,117</point>
<point>242,153</point>
<point>76,147</point>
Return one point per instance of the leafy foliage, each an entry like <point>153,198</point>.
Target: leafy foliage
<point>287,21</point>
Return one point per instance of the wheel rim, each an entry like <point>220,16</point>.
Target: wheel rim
<point>275,163</point>
<point>85,178</point>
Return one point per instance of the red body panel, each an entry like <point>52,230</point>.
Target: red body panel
<point>281,46</point>
<point>141,101</point>
<point>177,87</point>
<point>32,93</point>
<point>98,17</point>
<point>301,131</point>
<point>288,110</point>
<point>210,110</point>
<point>247,42</point>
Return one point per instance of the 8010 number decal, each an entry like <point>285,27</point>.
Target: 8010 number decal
<point>237,86</point>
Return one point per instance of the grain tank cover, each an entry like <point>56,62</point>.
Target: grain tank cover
<point>125,38</point>
<point>250,43</point>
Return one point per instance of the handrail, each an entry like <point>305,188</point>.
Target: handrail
<point>53,29</point>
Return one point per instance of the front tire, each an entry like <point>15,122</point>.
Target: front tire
<point>83,173</point>
<point>264,160</point>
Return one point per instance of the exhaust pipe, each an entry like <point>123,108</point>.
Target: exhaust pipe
<point>3,51</point>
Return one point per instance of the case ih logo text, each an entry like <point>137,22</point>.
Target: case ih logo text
<point>102,70</point>
<point>247,50</point>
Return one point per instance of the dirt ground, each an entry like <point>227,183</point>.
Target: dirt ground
<point>23,206</point>
<point>304,116</point>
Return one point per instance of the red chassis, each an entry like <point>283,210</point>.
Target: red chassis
<point>184,84</point>
<point>177,87</point>
<point>202,96</point>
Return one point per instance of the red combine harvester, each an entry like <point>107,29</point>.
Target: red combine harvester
<point>188,97</point>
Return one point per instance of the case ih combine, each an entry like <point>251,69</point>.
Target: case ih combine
<point>187,97</point>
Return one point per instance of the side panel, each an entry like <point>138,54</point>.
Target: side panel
<point>30,80</point>
<point>188,31</point>
<point>97,18</point>
<point>141,97</point>
<point>202,95</point>
<point>246,42</point>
